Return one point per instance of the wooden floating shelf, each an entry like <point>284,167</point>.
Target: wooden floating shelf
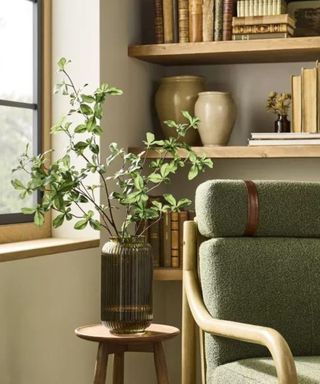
<point>230,52</point>
<point>167,274</point>
<point>259,152</point>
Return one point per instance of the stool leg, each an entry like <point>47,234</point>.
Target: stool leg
<point>160,363</point>
<point>100,372</point>
<point>118,368</point>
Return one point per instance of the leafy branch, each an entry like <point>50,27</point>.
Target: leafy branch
<point>64,186</point>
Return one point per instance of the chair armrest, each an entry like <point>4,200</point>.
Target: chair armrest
<point>270,338</point>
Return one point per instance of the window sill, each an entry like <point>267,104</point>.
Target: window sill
<point>42,247</point>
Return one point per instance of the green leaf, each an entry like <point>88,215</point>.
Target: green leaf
<point>193,172</point>
<point>58,221</point>
<point>150,138</point>
<point>155,178</point>
<point>170,199</point>
<point>81,224</point>
<point>138,182</point>
<point>114,91</point>
<point>17,184</point>
<point>182,203</point>
<point>95,224</point>
<point>85,109</point>
<point>88,99</point>
<point>80,145</point>
<point>95,148</point>
<point>81,128</point>
<point>28,211</point>
<point>38,218</point>
<point>62,63</point>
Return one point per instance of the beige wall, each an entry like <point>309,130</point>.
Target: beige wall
<point>44,299</point>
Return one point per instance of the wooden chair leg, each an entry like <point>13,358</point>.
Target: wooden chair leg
<point>118,368</point>
<point>100,371</point>
<point>160,363</point>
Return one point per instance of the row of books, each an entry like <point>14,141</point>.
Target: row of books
<point>261,7</point>
<point>258,139</point>
<point>193,20</point>
<point>305,90</point>
<point>166,239</point>
<point>263,27</point>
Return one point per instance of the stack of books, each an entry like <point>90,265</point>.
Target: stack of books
<point>284,139</point>
<point>305,90</point>
<point>182,21</point>
<point>166,239</point>
<point>263,27</point>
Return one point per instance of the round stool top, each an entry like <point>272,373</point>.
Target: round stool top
<point>98,332</point>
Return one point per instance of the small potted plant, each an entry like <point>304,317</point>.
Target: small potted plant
<point>127,180</point>
<point>279,104</point>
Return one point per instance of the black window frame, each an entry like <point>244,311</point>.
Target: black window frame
<point>36,106</point>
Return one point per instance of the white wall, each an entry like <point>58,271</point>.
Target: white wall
<point>44,299</point>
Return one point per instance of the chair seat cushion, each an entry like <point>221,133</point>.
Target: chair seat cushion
<point>262,371</point>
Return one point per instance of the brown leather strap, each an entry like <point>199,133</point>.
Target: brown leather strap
<point>253,209</point>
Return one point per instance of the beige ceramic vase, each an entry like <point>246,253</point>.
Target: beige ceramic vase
<point>217,114</point>
<point>176,94</point>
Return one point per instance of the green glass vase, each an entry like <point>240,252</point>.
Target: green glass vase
<point>126,285</point>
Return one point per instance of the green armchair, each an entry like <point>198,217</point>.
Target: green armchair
<point>252,287</point>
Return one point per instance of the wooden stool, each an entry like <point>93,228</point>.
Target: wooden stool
<point>150,341</point>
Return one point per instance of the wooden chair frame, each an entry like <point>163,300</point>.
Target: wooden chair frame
<point>194,313</point>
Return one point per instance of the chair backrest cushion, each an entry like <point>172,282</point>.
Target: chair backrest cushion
<point>286,208</point>
<point>272,282</point>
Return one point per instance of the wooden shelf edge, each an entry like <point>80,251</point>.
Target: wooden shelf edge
<point>167,274</point>
<point>223,52</point>
<point>245,152</point>
<point>42,247</point>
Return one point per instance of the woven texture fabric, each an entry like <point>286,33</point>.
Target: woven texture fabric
<point>262,371</point>
<point>272,282</point>
<point>286,208</point>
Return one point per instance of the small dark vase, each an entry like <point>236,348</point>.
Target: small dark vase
<point>282,124</point>
<point>126,285</point>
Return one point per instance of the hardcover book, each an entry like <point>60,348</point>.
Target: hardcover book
<point>183,12</point>
<point>256,20</point>
<point>218,20</point>
<point>183,216</point>
<point>207,20</point>
<point>168,20</point>
<point>166,240</point>
<point>228,11</point>
<point>296,103</point>
<point>158,22</point>
<point>262,36</point>
<point>309,81</point>
<point>195,20</point>
<point>175,240</point>
<point>262,28</point>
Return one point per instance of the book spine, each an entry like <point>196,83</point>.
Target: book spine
<point>246,8</point>
<point>218,20</point>
<point>318,95</point>
<point>195,20</point>
<point>251,8</point>
<point>158,22</point>
<point>175,21</point>
<point>269,7</point>
<point>228,7</point>
<point>183,21</point>
<point>296,103</point>
<point>262,28</point>
<point>260,8</point>
<point>255,7</point>
<point>257,36</point>
<point>242,8</point>
<point>154,240</point>
<point>166,240</point>
<point>175,262</point>
<point>183,216</point>
<point>207,20</point>
<point>308,100</point>
<point>255,20</point>
<point>264,7</point>
<point>168,21</point>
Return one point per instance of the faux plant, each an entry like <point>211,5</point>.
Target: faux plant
<point>278,103</point>
<point>64,186</point>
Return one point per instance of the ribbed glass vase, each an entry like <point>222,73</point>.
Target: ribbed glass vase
<point>126,285</point>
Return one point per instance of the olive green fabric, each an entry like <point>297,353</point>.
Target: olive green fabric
<point>262,371</point>
<point>286,208</point>
<point>272,282</point>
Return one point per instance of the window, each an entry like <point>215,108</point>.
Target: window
<point>24,99</point>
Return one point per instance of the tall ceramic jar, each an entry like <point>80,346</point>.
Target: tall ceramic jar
<point>217,114</point>
<point>176,94</point>
<point>126,285</point>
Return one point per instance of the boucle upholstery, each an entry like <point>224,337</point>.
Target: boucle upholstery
<point>286,208</point>
<point>262,371</point>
